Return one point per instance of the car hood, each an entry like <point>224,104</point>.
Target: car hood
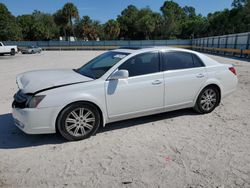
<point>34,81</point>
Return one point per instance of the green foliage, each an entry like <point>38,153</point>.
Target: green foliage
<point>9,29</point>
<point>88,29</point>
<point>111,30</point>
<point>238,3</point>
<point>61,21</point>
<point>38,26</point>
<point>173,21</point>
<point>173,15</point>
<point>146,23</point>
<point>127,21</point>
<point>70,12</point>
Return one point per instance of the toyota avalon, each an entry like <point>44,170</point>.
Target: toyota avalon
<point>118,85</point>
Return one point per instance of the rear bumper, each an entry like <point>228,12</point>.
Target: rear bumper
<point>35,120</point>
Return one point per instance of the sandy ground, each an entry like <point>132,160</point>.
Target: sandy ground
<point>176,149</point>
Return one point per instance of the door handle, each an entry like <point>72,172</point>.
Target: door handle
<point>200,75</point>
<point>156,82</point>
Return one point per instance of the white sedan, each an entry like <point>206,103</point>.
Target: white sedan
<point>117,85</point>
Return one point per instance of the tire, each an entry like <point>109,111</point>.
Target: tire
<point>78,121</point>
<point>12,52</point>
<point>208,100</point>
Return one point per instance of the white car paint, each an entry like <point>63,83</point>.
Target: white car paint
<point>119,99</point>
<point>7,49</point>
<point>33,81</point>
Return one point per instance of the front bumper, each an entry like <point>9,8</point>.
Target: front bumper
<point>35,120</point>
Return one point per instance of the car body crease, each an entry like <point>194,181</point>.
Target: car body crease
<point>54,87</point>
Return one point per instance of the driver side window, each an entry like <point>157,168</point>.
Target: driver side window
<point>142,64</point>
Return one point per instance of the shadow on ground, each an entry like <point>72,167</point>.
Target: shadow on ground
<point>11,137</point>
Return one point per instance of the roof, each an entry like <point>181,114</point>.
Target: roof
<point>207,60</point>
<point>139,49</point>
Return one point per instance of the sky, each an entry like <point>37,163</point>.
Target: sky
<point>104,10</point>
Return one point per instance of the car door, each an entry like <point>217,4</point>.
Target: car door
<point>184,75</point>
<point>143,91</point>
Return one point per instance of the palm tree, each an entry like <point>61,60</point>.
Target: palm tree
<point>95,30</point>
<point>86,26</point>
<point>112,29</point>
<point>61,21</point>
<point>70,11</point>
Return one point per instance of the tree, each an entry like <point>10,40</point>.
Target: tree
<point>38,26</point>
<point>238,3</point>
<point>145,23</point>
<point>70,11</point>
<point>86,26</point>
<point>88,29</point>
<point>127,21</point>
<point>173,21</point>
<point>192,25</point>
<point>9,29</point>
<point>189,11</point>
<point>49,30</point>
<point>96,30</point>
<point>111,29</point>
<point>61,21</point>
<point>172,14</point>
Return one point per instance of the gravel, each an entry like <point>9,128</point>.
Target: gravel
<point>174,149</point>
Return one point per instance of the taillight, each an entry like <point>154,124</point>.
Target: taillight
<point>233,70</point>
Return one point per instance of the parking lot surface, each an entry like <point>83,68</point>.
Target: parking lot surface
<point>174,149</point>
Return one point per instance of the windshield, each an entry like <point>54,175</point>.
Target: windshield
<point>98,66</point>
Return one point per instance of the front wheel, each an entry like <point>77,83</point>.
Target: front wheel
<point>207,100</point>
<point>78,121</point>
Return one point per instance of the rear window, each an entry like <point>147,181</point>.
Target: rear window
<point>180,60</point>
<point>197,61</point>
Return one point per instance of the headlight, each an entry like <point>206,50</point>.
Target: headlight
<point>34,101</point>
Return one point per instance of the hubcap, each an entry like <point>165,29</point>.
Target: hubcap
<point>80,122</point>
<point>208,99</point>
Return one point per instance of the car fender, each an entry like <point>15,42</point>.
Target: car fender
<point>210,81</point>
<point>90,99</point>
<point>74,97</point>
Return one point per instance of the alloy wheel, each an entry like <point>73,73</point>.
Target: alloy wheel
<point>80,122</point>
<point>208,99</point>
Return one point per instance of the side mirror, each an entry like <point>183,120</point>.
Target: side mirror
<point>120,74</point>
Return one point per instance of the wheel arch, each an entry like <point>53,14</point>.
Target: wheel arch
<point>211,84</point>
<point>103,119</point>
<point>218,89</point>
<point>11,50</point>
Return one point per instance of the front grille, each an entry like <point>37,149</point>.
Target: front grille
<point>20,100</point>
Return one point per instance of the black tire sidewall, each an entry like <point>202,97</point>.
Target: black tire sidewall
<point>198,104</point>
<point>12,52</point>
<point>63,115</point>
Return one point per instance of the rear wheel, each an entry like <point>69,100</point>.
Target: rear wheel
<point>207,100</point>
<point>78,121</point>
<point>12,52</point>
